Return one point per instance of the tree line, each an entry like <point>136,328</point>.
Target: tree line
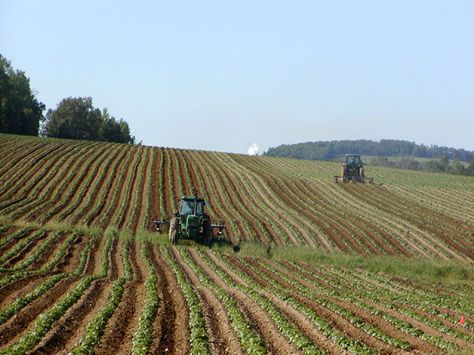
<point>442,159</point>
<point>73,118</point>
<point>385,147</point>
<point>443,165</point>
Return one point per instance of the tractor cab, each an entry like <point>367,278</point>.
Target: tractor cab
<point>352,170</point>
<point>191,206</point>
<point>191,221</point>
<point>353,160</point>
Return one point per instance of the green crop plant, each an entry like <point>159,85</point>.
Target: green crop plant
<point>198,338</point>
<point>144,335</point>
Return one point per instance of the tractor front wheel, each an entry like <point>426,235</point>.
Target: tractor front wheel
<point>174,231</point>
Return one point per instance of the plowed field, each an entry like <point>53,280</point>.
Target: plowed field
<point>80,273</point>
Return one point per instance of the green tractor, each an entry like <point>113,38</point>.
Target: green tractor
<point>353,170</point>
<point>190,222</point>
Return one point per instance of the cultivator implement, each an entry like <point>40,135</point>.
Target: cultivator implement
<point>352,171</point>
<point>191,222</point>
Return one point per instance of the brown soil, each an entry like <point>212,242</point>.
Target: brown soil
<point>116,188</point>
<point>28,152</point>
<point>330,316</point>
<point>124,218</point>
<point>366,231</point>
<point>229,182</point>
<point>225,185</point>
<point>447,323</point>
<point>71,258</point>
<point>448,231</point>
<point>57,174</point>
<point>387,328</point>
<point>69,329</point>
<point>258,318</point>
<point>154,197</point>
<point>26,251</point>
<point>48,254</point>
<point>32,174</point>
<point>65,190</point>
<point>329,229</point>
<point>104,190</point>
<point>221,336</point>
<point>299,320</point>
<point>210,186</point>
<point>171,330</point>
<point>167,185</point>
<point>11,243</point>
<point>250,272</point>
<point>119,331</point>
<point>141,210</point>
<point>94,264</point>
<point>20,287</point>
<point>425,328</point>
<point>93,185</point>
<point>304,324</point>
<point>197,176</point>
<point>23,321</point>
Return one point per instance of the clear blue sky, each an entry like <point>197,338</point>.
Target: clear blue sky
<point>220,75</point>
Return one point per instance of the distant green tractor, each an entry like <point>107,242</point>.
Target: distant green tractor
<point>190,222</point>
<point>353,170</point>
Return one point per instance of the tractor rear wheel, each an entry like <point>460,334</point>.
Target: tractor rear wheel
<point>207,232</point>
<point>174,230</point>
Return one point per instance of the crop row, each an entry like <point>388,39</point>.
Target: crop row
<point>274,201</point>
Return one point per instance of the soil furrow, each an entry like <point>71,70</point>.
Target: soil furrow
<point>23,321</point>
<point>258,318</point>
<point>26,251</point>
<point>222,338</point>
<point>171,330</point>
<point>120,329</point>
<point>295,317</point>
<point>69,329</point>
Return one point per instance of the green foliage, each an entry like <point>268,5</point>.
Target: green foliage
<point>19,303</point>
<point>112,130</point>
<point>198,338</point>
<point>96,327</point>
<point>445,271</point>
<point>144,335</point>
<point>20,111</point>
<point>386,147</point>
<point>442,165</point>
<point>77,118</point>
<point>5,221</point>
<point>249,339</point>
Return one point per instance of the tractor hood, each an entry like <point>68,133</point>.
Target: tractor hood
<point>193,225</point>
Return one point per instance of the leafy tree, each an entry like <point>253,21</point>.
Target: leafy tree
<point>386,147</point>
<point>457,168</point>
<point>114,131</point>
<point>74,118</point>
<point>20,111</point>
<point>470,168</point>
<point>77,118</point>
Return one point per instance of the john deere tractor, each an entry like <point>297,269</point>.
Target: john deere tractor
<point>190,222</point>
<point>353,170</point>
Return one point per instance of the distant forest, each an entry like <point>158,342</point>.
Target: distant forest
<point>382,150</point>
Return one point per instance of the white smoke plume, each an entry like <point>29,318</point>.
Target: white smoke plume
<point>253,149</point>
